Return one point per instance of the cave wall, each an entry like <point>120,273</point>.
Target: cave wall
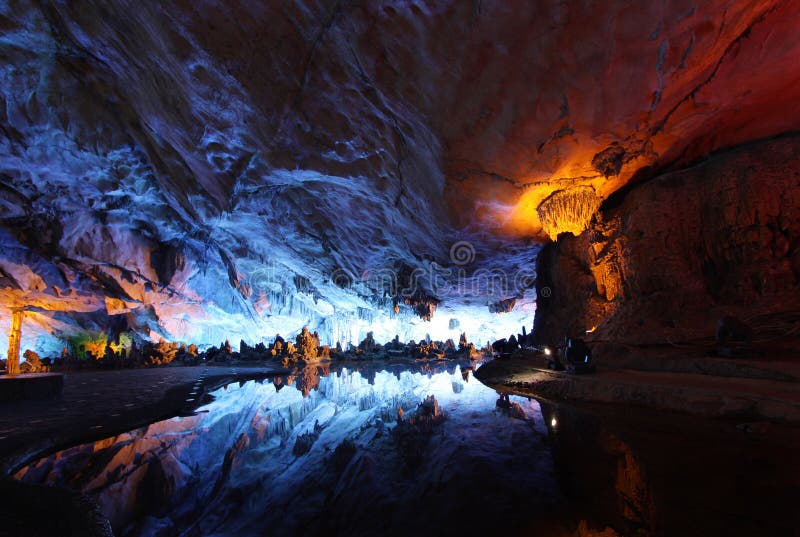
<point>666,259</point>
<point>206,170</point>
<point>202,173</point>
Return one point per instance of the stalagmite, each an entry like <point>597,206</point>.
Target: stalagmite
<point>14,337</point>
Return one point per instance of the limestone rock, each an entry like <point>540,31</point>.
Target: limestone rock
<point>32,363</point>
<point>680,252</point>
<point>307,344</point>
<point>156,166</point>
<point>368,345</point>
<point>160,353</point>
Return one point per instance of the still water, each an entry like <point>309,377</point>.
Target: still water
<point>365,450</point>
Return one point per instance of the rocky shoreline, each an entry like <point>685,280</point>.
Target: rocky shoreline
<point>741,392</point>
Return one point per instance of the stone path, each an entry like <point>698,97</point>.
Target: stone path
<point>98,404</point>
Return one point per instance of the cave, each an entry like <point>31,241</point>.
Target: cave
<point>418,267</point>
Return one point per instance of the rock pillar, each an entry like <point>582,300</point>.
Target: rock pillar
<point>14,337</point>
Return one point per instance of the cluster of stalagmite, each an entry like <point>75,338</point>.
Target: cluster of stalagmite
<point>306,349</point>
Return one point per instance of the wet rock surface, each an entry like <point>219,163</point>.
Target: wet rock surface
<point>674,381</point>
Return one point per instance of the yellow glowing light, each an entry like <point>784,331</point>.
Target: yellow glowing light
<point>520,217</point>
<point>553,422</point>
<point>125,342</point>
<point>91,343</point>
<point>592,329</point>
<point>547,351</point>
<point>97,348</point>
<point>568,211</point>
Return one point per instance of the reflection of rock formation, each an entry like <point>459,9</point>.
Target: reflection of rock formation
<point>413,431</point>
<point>634,497</point>
<point>600,472</point>
<point>320,464</point>
<point>508,407</point>
<point>303,442</point>
<point>307,378</point>
<point>672,475</point>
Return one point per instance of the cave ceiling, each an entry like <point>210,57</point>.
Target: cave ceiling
<point>208,170</point>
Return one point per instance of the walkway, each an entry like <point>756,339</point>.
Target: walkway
<point>704,395</point>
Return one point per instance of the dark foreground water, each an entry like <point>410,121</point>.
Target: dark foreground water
<point>322,452</point>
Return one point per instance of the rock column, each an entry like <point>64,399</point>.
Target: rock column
<point>14,337</point>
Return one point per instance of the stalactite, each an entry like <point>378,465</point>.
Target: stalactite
<point>568,211</point>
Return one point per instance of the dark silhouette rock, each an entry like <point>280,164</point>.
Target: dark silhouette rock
<point>305,441</point>
<point>502,306</point>
<point>368,344</point>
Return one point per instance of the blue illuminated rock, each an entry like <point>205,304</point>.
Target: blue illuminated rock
<point>235,169</point>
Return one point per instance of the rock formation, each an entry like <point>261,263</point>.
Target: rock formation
<point>14,338</point>
<point>568,211</point>
<point>368,345</point>
<point>160,353</point>
<point>307,344</point>
<point>670,257</point>
<point>32,364</point>
<point>212,171</point>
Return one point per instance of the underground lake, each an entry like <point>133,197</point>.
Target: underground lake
<point>405,449</point>
<point>399,268</point>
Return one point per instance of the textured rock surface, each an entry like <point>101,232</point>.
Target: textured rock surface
<point>232,169</point>
<point>680,252</point>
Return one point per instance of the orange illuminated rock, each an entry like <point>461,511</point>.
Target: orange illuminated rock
<point>682,251</point>
<point>217,164</point>
<point>14,337</point>
<point>568,211</point>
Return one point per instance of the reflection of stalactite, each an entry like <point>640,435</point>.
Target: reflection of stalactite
<point>568,211</point>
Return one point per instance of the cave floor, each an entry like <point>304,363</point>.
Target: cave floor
<point>98,404</point>
<point>738,389</point>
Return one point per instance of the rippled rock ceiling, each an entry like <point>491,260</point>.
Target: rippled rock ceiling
<point>210,170</point>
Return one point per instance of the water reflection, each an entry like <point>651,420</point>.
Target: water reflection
<point>645,472</point>
<point>429,450</point>
<point>322,451</point>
